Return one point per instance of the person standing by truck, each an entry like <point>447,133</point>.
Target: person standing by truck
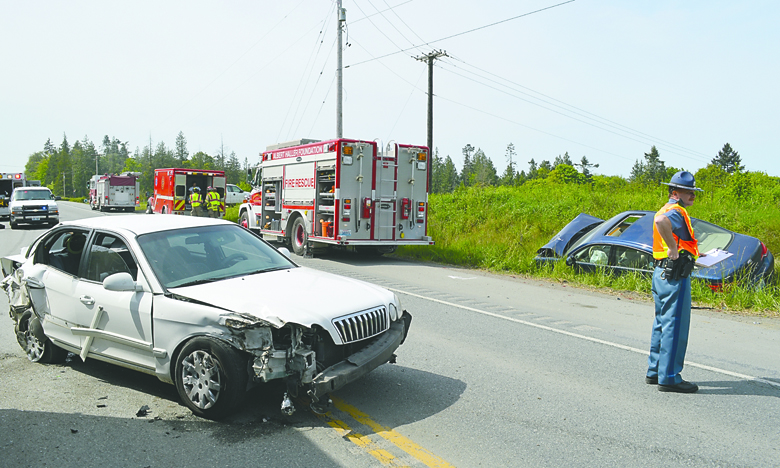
<point>213,202</point>
<point>196,200</point>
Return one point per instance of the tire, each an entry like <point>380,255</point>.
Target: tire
<point>298,236</point>
<point>243,220</point>
<point>13,224</point>
<point>211,377</point>
<point>37,350</point>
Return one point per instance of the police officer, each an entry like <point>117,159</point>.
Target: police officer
<point>675,250</point>
<point>213,202</point>
<point>196,200</point>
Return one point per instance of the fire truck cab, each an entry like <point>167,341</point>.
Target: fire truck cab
<point>340,192</point>
<point>172,188</point>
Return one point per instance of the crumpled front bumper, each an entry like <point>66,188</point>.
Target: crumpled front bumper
<point>362,362</point>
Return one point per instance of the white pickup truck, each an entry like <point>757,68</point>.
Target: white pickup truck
<point>234,195</point>
<point>33,205</point>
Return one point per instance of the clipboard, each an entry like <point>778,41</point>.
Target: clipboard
<point>713,257</point>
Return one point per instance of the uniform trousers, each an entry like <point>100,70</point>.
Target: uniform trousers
<point>669,339</point>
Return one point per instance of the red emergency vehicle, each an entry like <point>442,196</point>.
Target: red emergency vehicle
<point>114,191</point>
<point>172,188</point>
<point>340,192</point>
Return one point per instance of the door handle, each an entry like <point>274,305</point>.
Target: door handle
<point>86,300</point>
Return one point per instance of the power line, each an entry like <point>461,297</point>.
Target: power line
<point>462,33</point>
<point>566,115</point>
<point>582,112</point>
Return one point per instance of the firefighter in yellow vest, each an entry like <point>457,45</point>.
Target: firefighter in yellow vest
<point>675,251</point>
<point>213,203</point>
<point>196,200</point>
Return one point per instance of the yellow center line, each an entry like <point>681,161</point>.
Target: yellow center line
<point>361,441</point>
<point>416,451</point>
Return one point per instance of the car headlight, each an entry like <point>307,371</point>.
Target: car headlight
<point>54,211</point>
<point>16,210</point>
<point>394,309</point>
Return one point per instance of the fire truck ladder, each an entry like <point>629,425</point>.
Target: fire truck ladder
<point>386,203</point>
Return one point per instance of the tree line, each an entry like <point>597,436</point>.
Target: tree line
<point>479,170</point>
<point>66,169</point>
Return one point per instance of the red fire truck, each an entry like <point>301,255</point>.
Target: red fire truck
<point>340,192</point>
<point>172,188</point>
<point>114,192</point>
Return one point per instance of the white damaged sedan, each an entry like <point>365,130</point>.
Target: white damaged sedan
<point>201,303</point>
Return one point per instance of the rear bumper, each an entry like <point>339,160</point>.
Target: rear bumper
<point>362,362</point>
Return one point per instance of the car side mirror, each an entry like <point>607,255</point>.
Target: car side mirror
<point>284,251</point>
<point>570,260</point>
<point>121,281</point>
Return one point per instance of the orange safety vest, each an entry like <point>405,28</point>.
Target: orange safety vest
<point>660,249</point>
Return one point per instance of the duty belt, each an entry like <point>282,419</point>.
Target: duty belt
<point>661,263</point>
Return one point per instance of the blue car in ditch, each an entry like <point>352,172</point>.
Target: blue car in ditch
<point>624,243</point>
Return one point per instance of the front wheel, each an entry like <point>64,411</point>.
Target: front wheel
<point>298,236</point>
<point>38,348</point>
<point>243,220</point>
<point>211,377</point>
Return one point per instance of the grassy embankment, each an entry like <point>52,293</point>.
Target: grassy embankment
<point>500,229</point>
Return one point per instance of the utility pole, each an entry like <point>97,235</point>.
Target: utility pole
<point>342,18</point>
<point>429,58</point>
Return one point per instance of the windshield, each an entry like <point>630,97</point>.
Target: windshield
<point>209,253</point>
<point>21,194</point>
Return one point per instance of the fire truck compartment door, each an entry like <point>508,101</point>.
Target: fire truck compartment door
<point>180,186</point>
<point>385,203</point>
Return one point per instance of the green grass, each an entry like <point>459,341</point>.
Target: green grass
<point>500,228</point>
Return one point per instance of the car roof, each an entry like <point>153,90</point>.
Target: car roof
<point>33,188</point>
<point>138,224</point>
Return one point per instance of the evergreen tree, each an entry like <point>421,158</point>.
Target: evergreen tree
<point>544,169</point>
<point>565,159</point>
<point>508,177</point>
<point>728,160</point>
<point>181,149</point>
<point>585,166</point>
<point>652,171</point>
<point>450,175</point>
<point>468,167</point>
<point>533,171</point>
<point>484,171</point>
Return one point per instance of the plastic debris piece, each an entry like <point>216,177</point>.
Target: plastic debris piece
<point>287,406</point>
<point>143,411</point>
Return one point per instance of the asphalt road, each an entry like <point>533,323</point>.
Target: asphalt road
<point>497,371</point>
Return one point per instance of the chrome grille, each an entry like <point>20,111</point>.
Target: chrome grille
<point>362,325</point>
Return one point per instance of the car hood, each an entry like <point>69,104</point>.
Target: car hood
<point>299,295</point>
<point>49,203</point>
<point>570,233</point>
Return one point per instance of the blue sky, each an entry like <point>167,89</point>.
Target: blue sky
<point>603,79</point>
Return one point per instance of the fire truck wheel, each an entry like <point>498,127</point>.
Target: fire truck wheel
<point>298,236</point>
<point>243,221</point>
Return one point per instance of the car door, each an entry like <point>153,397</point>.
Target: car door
<point>113,324</point>
<point>52,281</point>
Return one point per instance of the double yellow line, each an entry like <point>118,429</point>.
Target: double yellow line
<point>372,448</point>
